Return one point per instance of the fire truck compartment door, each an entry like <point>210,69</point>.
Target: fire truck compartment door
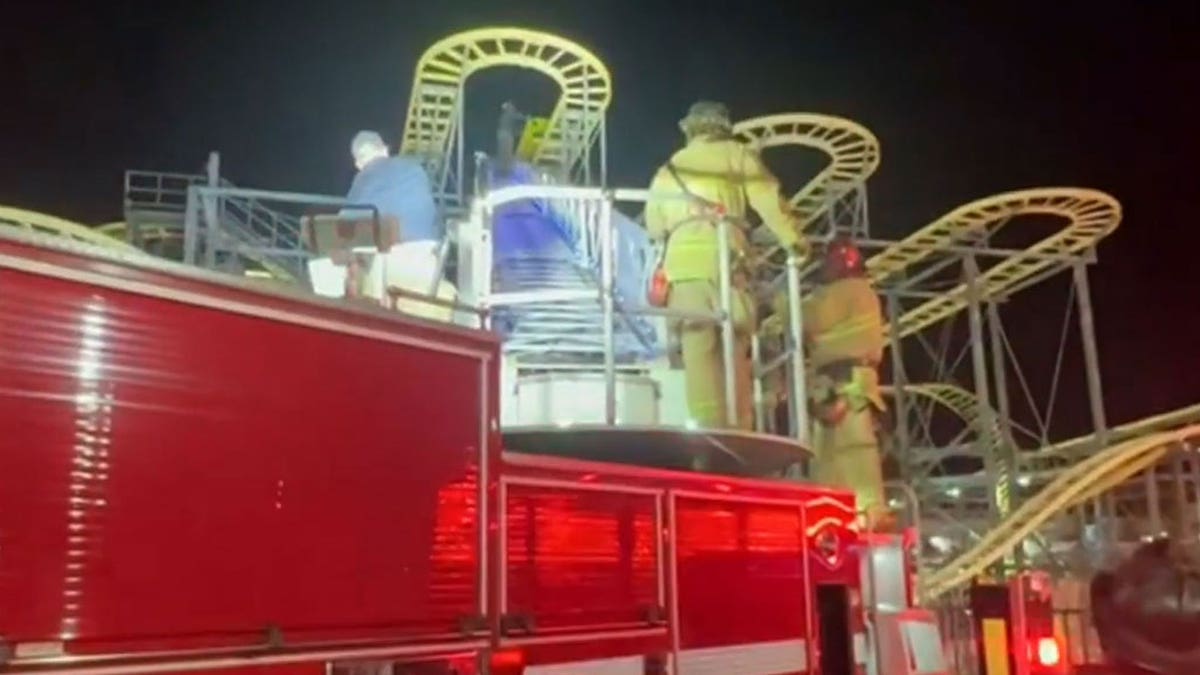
<point>884,573</point>
<point>910,644</point>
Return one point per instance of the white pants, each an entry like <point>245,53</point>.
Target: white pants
<point>411,266</point>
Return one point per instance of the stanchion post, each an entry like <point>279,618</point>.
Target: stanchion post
<point>607,253</point>
<point>760,412</point>
<point>799,378</point>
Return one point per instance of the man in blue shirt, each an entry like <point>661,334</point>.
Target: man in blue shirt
<point>400,189</point>
<point>397,186</point>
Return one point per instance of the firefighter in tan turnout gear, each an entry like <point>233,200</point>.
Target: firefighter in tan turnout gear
<point>720,177</point>
<point>844,340</point>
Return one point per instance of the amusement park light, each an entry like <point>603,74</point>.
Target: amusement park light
<point>942,544</point>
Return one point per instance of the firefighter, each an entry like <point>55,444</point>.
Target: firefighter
<point>716,175</point>
<point>844,342</point>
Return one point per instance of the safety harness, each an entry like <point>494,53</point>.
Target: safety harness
<point>658,290</point>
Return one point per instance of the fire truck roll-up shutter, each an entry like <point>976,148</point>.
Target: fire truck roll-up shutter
<point>207,468</point>
<point>579,558</point>
<point>743,593</point>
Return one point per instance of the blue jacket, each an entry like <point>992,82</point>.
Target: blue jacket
<point>398,186</point>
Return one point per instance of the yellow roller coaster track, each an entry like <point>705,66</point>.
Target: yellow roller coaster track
<point>444,68</point>
<point>852,149</point>
<point>1091,215</point>
<point>966,407</point>
<point>150,233</point>
<point>32,221</point>
<point>1080,483</point>
<point>855,155</point>
<point>158,233</point>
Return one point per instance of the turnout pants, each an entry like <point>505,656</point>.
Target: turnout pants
<point>847,409</point>
<point>703,355</point>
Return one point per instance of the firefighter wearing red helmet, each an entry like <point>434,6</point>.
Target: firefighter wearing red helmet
<point>844,341</point>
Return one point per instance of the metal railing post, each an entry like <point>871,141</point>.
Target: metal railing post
<point>760,411</point>
<point>607,251</point>
<point>728,353</point>
<point>799,378</point>
<point>191,227</point>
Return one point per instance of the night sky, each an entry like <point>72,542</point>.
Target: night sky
<point>965,102</point>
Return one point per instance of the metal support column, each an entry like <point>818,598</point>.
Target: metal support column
<point>864,215</point>
<point>795,346</point>
<point>728,353</point>
<point>603,151</point>
<point>460,143</point>
<point>986,425</point>
<point>1008,445</point>
<point>607,253</point>
<point>900,439</point>
<point>1153,501</point>
<point>1182,517</point>
<point>1091,357</point>
<point>1003,407</point>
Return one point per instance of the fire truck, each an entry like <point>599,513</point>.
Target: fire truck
<point>203,473</point>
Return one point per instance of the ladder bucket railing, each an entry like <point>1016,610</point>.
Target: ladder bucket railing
<point>591,221</point>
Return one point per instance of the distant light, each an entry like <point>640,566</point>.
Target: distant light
<point>954,492</point>
<point>691,425</point>
<point>942,544</point>
<point>1024,481</point>
<point>563,424</point>
<point>895,503</point>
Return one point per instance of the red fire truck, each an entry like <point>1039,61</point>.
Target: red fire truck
<point>198,474</point>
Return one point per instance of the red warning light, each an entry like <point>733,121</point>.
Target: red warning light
<point>508,662</point>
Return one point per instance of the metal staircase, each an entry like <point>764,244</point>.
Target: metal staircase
<point>234,230</point>
<point>548,302</point>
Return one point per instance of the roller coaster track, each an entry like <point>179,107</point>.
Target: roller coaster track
<point>154,234</point>
<point>437,94</point>
<point>855,155</point>
<point>150,233</point>
<point>1082,482</point>
<point>32,221</point>
<point>1091,215</point>
<point>852,149</point>
<point>966,407</point>
<point>1071,449</point>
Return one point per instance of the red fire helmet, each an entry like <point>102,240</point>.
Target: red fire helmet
<point>842,259</point>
